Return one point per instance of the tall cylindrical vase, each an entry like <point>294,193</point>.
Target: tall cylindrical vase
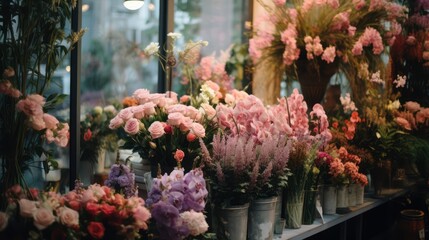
<point>293,209</point>
<point>360,193</point>
<point>278,228</point>
<point>352,194</point>
<point>329,203</point>
<point>342,199</point>
<point>261,219</point>
<point>232,222</point>
<point>309,209</point>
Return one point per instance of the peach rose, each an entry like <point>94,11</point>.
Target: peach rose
<point>156,129</point>
<point>26,207</point>
<point>190,137</point>
<point>179,155</point>
<point>68,217</point>
<point>43,218</point>
<point>4,218</point>
<point>184,99</point>
<point>132,126</point>
<point>138,111</point>
<point>198,130</point>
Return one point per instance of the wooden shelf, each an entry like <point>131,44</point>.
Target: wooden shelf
<point>332,220</point>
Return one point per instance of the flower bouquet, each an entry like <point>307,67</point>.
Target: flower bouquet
<point>96,136</point>
<point>93,213</point>
<point>177,202</point>
<point>311,40</point>
<point>159,126</point>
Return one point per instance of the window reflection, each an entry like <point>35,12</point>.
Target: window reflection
<point>112,66</point>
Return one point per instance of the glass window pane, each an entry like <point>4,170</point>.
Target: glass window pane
<point>220,22</point>
<point>112,64</point>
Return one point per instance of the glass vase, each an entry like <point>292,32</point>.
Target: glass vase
<point>293,209</point>
<point>309,208</point>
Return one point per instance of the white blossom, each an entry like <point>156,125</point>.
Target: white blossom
<point>152,48</point>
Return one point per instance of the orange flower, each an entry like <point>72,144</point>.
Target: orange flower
<point>129,101</point>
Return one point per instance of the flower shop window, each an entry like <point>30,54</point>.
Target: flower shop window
<point>201,20</point>
<point>112,68</point>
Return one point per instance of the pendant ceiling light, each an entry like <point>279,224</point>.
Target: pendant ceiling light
<point>133,4</point>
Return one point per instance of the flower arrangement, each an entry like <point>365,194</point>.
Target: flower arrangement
<point>93,213</point>
<point>309,36</point>
<point>159,125</point>
<point>177,202</point>
<point>27,83</point>
<point>339,167</point>
<point>95,133</point>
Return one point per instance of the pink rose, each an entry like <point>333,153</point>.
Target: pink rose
<point>149,108</point>
<point>156,129</point>
<point>50,121</point>
<point>74,204</point>
<point>116,122</point>
<point>125,114</point>
<point>175,118</point>
<point>68,217</point>
<point>198,130</point>
<point>179,155</point>
<point>186,124</point>
<point>138,111</point>
<point>88,196</point>
<point>193,113</point>
<point>412,106</point>
<point>142,95</point>
<point>180,108</point>
<point>141,215</point>
<point>4,218</point>
<point>209,111</point>
<point>26,207</point>
<point>132,126</point>
<point>43,218</point>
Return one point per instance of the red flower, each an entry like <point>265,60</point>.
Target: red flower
<point>87,136</point>
<point>107,209</point>
<point>335,125</point>
<point>168,129</point>
<point>96,230</point>
<point>93,208</point>
<point>190,137</point>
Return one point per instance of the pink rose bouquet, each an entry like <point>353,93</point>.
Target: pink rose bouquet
<point>160,125</point>
<point>95,212</point>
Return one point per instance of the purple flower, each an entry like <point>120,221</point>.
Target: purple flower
<point>168,221</point>
<point>115,171</point>
<point>176,199</point>
<point>123,181</point>
<point>154,196</point>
